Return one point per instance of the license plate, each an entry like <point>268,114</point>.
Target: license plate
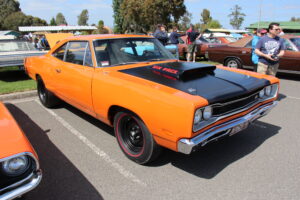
<point>239,128</point>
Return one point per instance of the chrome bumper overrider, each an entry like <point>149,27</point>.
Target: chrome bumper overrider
<point>22,189</point>
<point>186,146</point>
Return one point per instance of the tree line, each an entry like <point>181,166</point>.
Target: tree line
<point>130,16</point>
<point>11,17</point>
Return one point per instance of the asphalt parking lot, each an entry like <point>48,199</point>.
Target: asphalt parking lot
<point>81,159</point>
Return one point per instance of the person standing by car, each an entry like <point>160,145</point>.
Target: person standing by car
<point>192,36</point>
<point>269,49</point>
<point>256,38</point>
<point>161,34</point>
<point>174,39</point>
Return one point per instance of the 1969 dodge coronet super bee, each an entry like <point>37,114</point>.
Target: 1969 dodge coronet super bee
<point>134,84</point>
<point>19,166</point>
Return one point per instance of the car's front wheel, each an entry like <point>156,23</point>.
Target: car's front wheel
<point>134,138</point>
<point>233,63</point>
<point>46,97</point>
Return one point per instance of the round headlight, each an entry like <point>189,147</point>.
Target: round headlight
<point>198,116</point>
<point>262,93</point>
<point>207,113</point>
<point>15,166</point>
<point>268,90</point>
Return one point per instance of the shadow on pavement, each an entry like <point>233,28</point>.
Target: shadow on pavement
<point>288,76</point>
<point>61,179</point>
<point>281,97</point>
<point>13,75</point>
<point>213,158</point>
<point>87,117</point>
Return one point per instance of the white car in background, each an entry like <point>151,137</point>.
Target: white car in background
<point>13,52</point>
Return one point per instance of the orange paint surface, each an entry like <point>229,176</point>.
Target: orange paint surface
<point>12,138</point>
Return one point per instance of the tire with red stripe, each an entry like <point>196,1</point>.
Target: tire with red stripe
<point>134,138</point>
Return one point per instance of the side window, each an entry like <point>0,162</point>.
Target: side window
<point>249,44</point>
<point>60,52</point>
<point>102,53</point>
<point>288,45</point>
<point>88,57</point>
<point>75,52</point>
<point>180,41</point>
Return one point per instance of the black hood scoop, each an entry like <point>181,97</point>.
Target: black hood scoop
<point>207,81</point>
<point>182,70</point>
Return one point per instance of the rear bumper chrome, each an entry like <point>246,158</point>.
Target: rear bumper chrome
<point>186,146</point>
<point>23,188</point>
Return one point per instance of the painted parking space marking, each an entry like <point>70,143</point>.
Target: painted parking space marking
<point>127,174</point>
<point>291,97</point>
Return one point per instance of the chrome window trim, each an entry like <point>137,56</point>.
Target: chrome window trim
<point>117,38</point>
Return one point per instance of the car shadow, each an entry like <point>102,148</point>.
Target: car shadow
<point>288,76</point>
<point>13,76</point>
<point>86,117</point>
<point>61,179</point>
<point>214,157</point>
<point>281,97</point>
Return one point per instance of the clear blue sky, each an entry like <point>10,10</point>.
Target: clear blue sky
<point>272,10</point>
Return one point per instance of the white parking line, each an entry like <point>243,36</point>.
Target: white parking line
<point>127,174</point>
<point>15,101</point>
<point>293,97</point>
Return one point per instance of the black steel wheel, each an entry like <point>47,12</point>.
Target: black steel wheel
<point>46,97</point>
<point>134,139</point>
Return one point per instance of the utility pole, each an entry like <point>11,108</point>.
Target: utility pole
<point>258,25</point>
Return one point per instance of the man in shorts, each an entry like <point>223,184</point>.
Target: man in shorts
<point>192,35</point>
<point>270,49</point>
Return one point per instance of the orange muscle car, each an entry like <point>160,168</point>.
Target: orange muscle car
<point>19,166</point>
<point>134,84</point>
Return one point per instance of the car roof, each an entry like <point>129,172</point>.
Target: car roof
<point>106,36</point>
<point>245,40</point>
<point>241,42</point>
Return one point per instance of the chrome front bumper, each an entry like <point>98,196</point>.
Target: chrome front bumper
<point>186,146</point>
<point>23,188</point>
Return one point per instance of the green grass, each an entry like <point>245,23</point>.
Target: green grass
<point>210,62</point>
<point>14,80</point>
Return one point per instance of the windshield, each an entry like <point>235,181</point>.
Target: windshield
<point>201,40</point>
<point>129,50</point>
<point>231,39</point>
<point>296,41</point>
<point>10,45</point>
<point>289,45</point>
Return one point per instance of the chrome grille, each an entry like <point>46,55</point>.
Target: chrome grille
<point>234,105</point>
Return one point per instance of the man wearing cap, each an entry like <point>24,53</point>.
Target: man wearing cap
<point>256,38</point>
<point>270,48</point>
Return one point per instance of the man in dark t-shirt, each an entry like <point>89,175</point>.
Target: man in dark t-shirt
<point>270,49</point>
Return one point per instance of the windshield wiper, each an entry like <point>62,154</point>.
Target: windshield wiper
<point>157,59</point>
<point>125,63</point>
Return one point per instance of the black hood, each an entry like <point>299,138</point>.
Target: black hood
<point>207,81</point>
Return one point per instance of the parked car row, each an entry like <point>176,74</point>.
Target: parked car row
<point>238,54</point>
